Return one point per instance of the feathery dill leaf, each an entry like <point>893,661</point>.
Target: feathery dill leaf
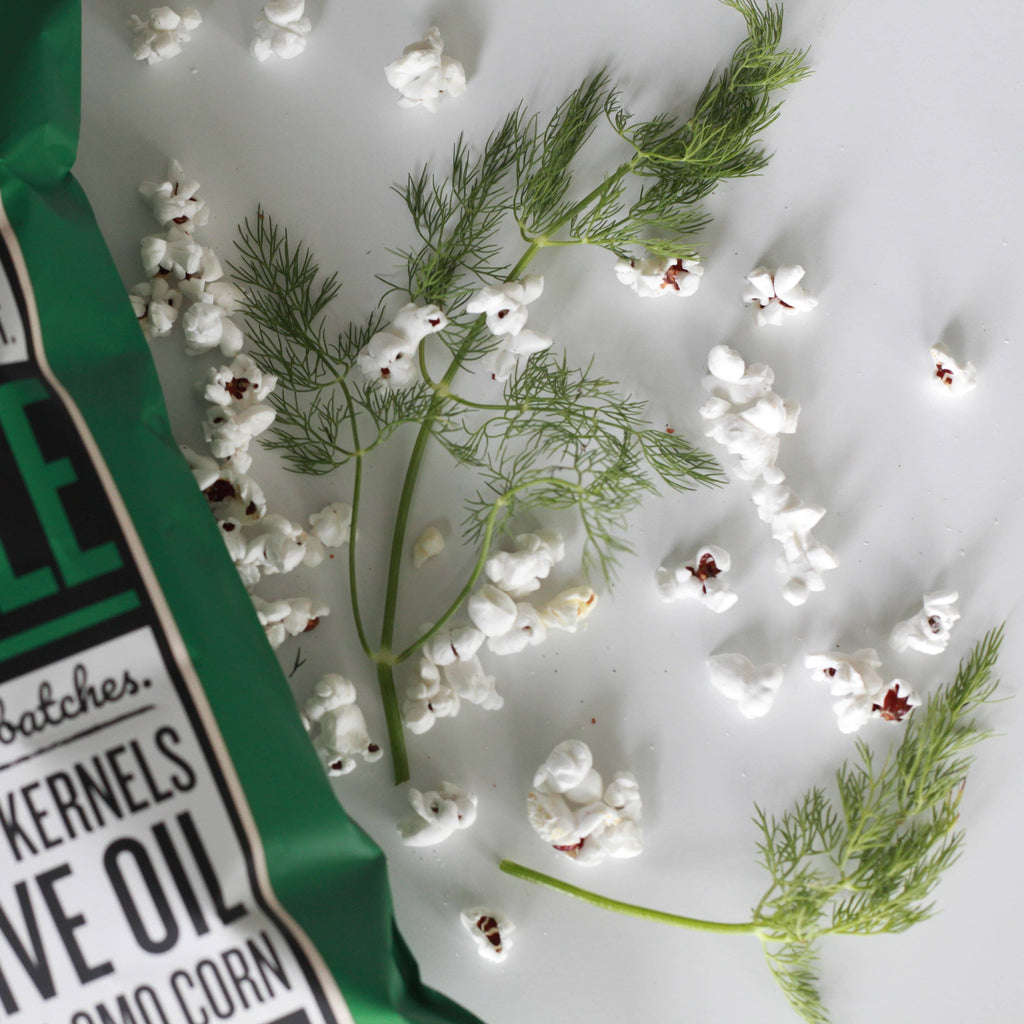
<point>867,860</point>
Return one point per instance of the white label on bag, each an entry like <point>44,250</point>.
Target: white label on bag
<point>115,907</point>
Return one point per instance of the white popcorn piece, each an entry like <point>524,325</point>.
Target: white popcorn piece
<point>176,200</point>
<point>490,931</point>
<point>929,630</point>
<point>455,643</point>
<point>528,630</point>
<point>175,251</point>
<point>513,349</point>
<point>342,733</point>
<point>229,432</point>
<point>231,494</point>
<point>207,325</point>
<point>281,30</point>
<point>428,698</point>
<point>161,36</point>
<point>505,305</point>
<point>389,358</point>
<point>570,609</point>
<point>652,278</point>
<point>429,544</point>
<point>438,814</point>
<point>204,284</point>
<point>491,610</point>
<point>949,375</point>
<point>424,74</point>
<point>279,546</point>
<point>569,808</point>
<point>777,295</point>
<point>239,385</point>
<point>745,415</point>
<point>752,687</point>
<point>803,557</point>
<point>863,695</point>
<point>699,581</point>
<point>332,525</point>
<point>520,571</point>
<point>155,303</point>
<point>468,679</point>
<point>288,617</point>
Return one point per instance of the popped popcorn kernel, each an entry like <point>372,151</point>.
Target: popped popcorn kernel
<point>570,808</point>
<point>438,814</point>
<point>777,295</point>
<point>928,631</point>
<point>699,581</point>
<point>490,931</point>
<point>281,30</point>
<point>653,278</point>
<point>423,75</point>
<point>752,687</point>
<point>429,544</point>
<point>950,376</point>
<point>338,726</point>
<point>176,200</point>
<point>161,36</point>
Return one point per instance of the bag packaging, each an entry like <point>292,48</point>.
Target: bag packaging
<point>170,850</point>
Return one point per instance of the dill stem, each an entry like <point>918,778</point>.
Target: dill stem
<point>632,909</point>
<point>357,488</point>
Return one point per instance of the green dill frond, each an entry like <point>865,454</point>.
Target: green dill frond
<point>795,967</point>
<point>456,219</point>
<point>543,169</point>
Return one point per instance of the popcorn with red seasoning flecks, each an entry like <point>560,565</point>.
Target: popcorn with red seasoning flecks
<point>699,581</point>
<point>653,278</point>
<point>775,296</point>
<point>438,814</point>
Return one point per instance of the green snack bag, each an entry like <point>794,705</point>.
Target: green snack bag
<point>170,851</point>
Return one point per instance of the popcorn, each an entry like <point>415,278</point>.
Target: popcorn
<point>229,431</point>
<point>456,643</point>
<point>528,630</point>
<point>176,200</point>
<point>204,284</point>
<point>777,295</point>
<point>803,557</point>
<point>423,75</point>
<point>342,732</point>
<point>490,932</point>
<point>160,37</point>
<point>504,360</point>
<point>332,525</point>
<point>175,251</point>
<point>569,808</point>
<point>699,581</point>
<point>863,695</point>
<point>281,30</point>
<point>929,630</point>
<point>751,686</point>
<point>231,493</point>
<point>439,813</point>
<point>505,305</point>
<point>428,698</point>
<point>239,385</point>
<point>429,544</point>
<point>949,375</point>
<point>156,305</point>
<point>745,415</point>
<point>570,609</point>
<point>491,610</point>
<point>389,358</point>
<point>287,617</point>
<point>206,326</point>
<point>471,683</point>
<point>519,572</point>
<point>652,278</point>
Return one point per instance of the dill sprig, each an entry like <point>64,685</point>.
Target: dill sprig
<point>559,437</point>
<point>865,859</point>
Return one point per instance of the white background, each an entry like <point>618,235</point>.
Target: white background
<point>895,182</point>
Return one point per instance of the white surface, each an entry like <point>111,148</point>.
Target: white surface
<point>895,182</point>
